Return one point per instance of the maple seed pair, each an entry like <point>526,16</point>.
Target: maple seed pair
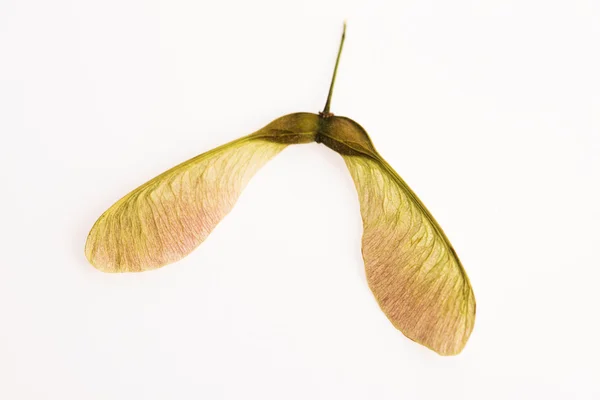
<point>411,267</point>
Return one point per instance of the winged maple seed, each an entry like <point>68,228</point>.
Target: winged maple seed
<point>411,267</point>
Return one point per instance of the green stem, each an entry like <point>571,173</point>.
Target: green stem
<point>337,61</point>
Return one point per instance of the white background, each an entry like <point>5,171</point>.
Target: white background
<point>490,110</point>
